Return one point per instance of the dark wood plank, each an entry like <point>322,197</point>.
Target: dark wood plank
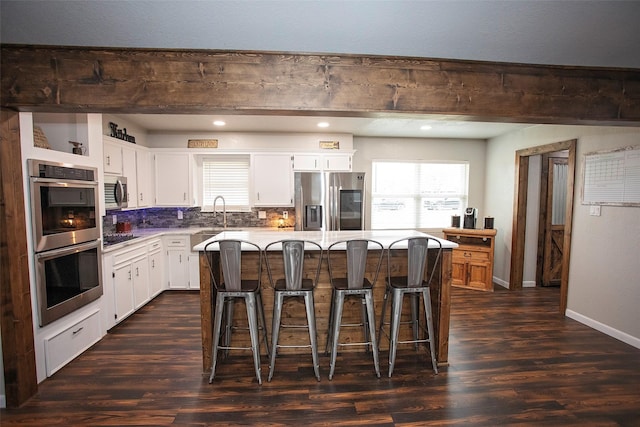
<point>18,350</point>
<point>513,360</point>
<point>91,79</point>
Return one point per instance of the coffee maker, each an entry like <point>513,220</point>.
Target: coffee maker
<point>470,216</point>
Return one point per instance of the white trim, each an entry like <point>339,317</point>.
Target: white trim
<point>500,282</point>
<point>529,284</point>
<point>3,401</point>
<point>608,330</point>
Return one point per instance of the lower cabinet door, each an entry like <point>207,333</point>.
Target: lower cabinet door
<point>122,291</point>
<point>140,273</point>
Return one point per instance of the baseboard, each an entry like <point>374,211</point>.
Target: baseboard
<point>3,401</point>
<point>500,282</point>
<point>529,284</point>
<point>608,330</point>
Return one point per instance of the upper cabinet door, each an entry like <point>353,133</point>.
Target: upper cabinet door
<point>307,162</point>
<point>129,172</point>
<point>311,162</point>
<point>337,162</point>
<point>173,179</point>
<point>272,180</point>
<point>112,157</point>
<point>145,178</point>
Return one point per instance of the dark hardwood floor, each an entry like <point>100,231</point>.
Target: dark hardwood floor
<point>513,361</point>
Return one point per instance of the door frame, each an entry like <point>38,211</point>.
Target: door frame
<point>520,214</point>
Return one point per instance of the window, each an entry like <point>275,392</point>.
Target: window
<point>226,176</point>
<point>417,194</point>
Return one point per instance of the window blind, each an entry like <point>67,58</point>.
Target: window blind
<point>226,176</point>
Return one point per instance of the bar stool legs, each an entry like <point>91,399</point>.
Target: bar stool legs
<point>254,309</point>
<point>397,296</point>
<point>311,324</point>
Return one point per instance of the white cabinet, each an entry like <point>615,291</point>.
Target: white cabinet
<point>307,162</point>
<point>272,180</point>
<point>134,163</point>
<point>140,274</point>
<point>133,276</point>
<point>112,156</point>
<point>129,280</point>
<point>337,162</point>
<point>122,292</point>
<point>144,178</point>
<point>156,268</point>
<point>61,347</point>
<point>173,179</point>
<point>129,172</point>
<point>194,270</point>
<point>178,261</point>
<point>322,162</point>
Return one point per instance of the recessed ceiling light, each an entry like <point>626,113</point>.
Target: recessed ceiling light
<point>218,123</point>
<point>323,125</point>
<point>425,127</point>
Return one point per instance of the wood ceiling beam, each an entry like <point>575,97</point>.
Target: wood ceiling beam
<point>72,79</point>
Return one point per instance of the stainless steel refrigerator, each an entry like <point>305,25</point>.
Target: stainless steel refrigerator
<point>329,200</point>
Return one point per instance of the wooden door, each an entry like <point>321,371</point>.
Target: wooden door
<point>554,221</point>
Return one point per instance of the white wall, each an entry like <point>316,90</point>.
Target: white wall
<point>471,150</point>
<point>604,274</point>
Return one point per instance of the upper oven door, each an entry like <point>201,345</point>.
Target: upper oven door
<point>63,213</point>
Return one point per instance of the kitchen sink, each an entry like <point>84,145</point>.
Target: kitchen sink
<point>207,233</point>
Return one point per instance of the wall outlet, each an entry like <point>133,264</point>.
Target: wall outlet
<point>115,219</point>
<point>262,214</point>
<point>180,215</point>
<point>285,214</point>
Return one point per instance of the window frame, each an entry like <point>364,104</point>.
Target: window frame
<point>416,197</point>
<point>231,206</point>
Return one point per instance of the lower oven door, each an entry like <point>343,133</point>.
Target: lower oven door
<point>67,279</point>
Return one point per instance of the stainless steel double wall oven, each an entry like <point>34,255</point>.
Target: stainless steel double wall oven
<point>66,237</point>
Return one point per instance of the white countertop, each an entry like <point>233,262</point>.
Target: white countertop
<point>263,237</point>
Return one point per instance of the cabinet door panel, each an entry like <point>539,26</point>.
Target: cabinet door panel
<point>140,273</point>
<point>173,178</point>
<point>479,276</point>
<point>129,171</point>
<point>122,292</point>
<point>156,273</point>
<point>112,158</point>
<point>272,180</point>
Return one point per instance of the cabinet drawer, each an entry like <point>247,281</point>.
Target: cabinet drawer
<point>176,242</point>
<point>64,346</point>
<point>154,245</point>
<point>478,256</point>
<point>128,254</point>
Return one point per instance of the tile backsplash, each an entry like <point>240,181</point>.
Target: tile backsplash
<point>192,217</point>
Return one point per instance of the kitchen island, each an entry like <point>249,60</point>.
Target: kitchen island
<point>440,289</point>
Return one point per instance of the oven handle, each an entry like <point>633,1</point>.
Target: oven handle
<point>68,250</point>
<point>66,182</point>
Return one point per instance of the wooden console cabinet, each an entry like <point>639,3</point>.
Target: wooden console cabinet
<point>472,260</point>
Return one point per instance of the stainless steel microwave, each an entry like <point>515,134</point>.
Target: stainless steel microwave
<point>116,195</point>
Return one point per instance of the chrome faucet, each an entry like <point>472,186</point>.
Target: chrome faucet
<point>224,210</point>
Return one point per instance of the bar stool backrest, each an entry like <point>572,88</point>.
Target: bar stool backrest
<point>356,264</point>
<point>231,263</point>
<point>293,262</point>
<point>417,251</point>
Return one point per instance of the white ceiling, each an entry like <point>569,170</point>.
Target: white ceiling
<point>562,32</point>
<point>373,127</point>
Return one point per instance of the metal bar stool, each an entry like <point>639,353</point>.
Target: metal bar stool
<point>355,284</point>
<point>233,286</point>
<point>416,283</point>
<point>294,284</point>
